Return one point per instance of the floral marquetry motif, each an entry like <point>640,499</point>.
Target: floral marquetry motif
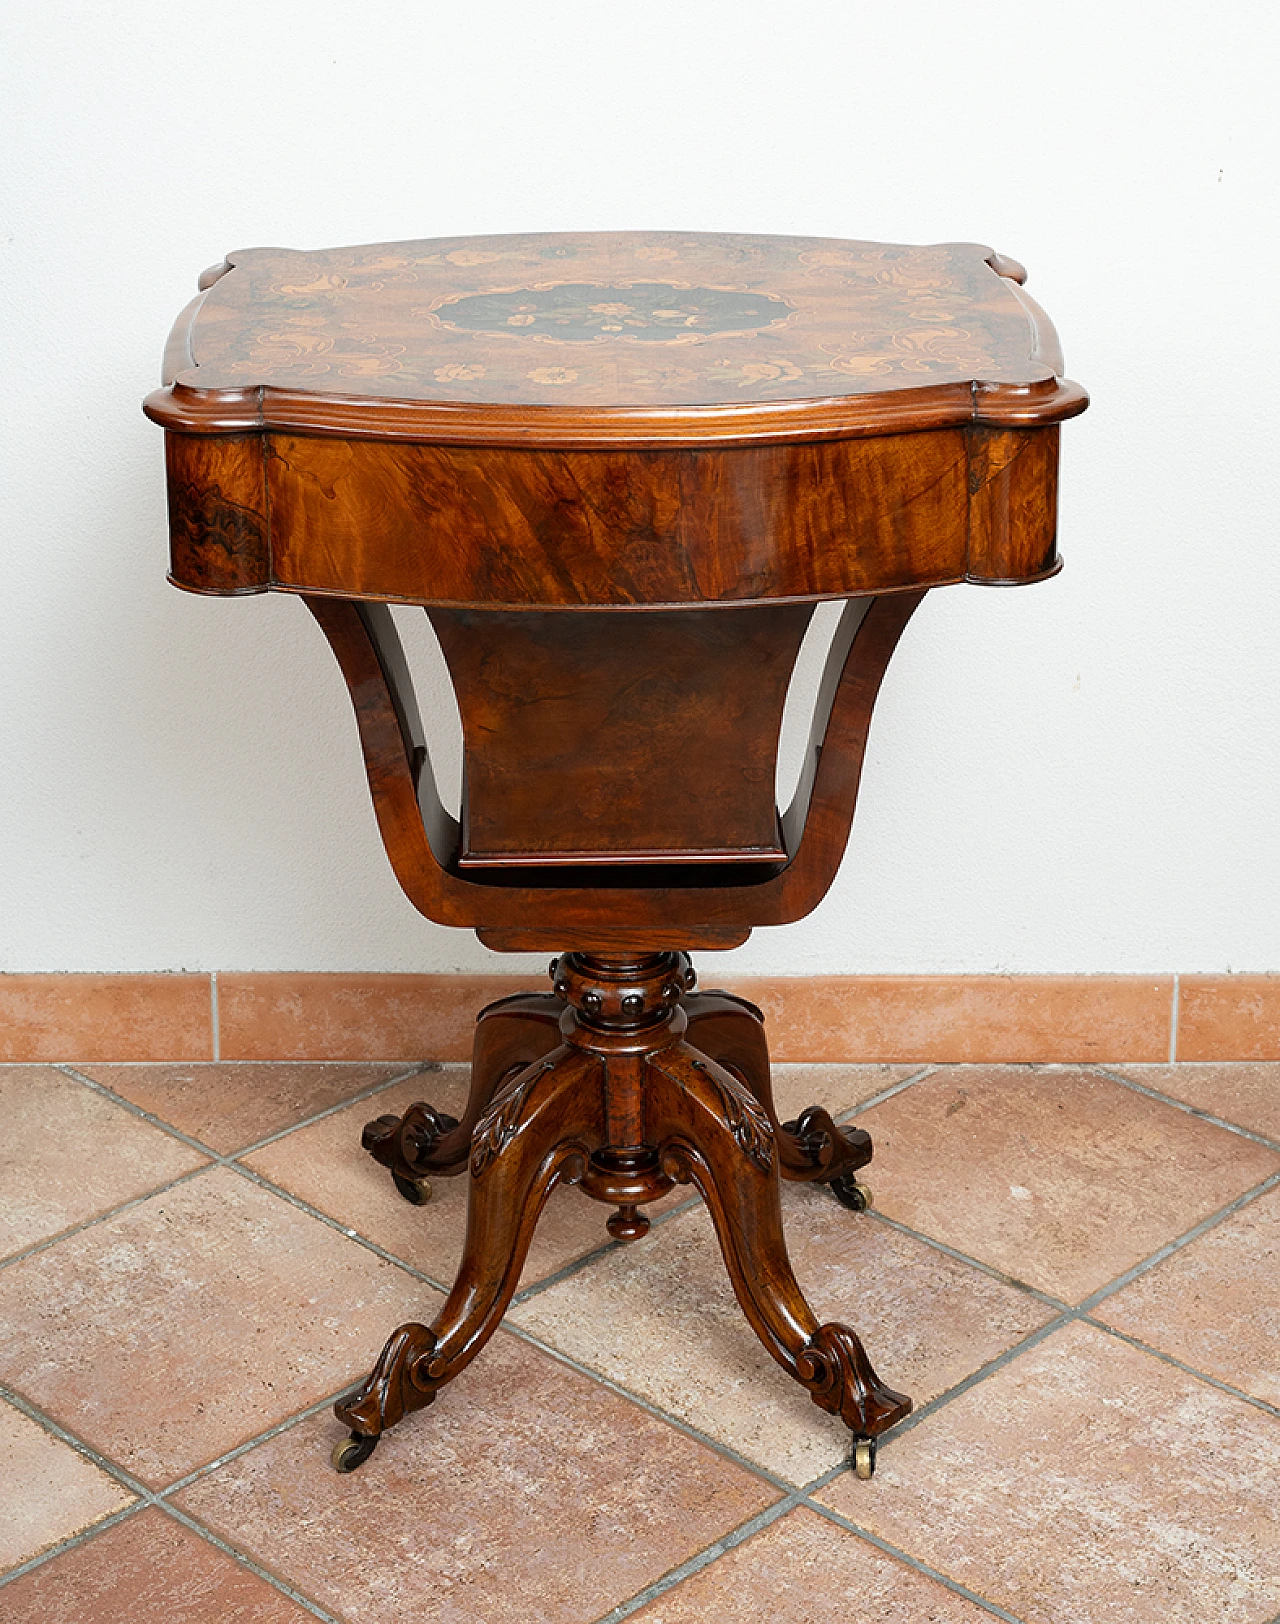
<point>587,312</point>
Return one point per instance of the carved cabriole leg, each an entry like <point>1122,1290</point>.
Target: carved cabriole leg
<point>510,1034</point>
<point>538,1133</point>
<point>731,1031</point>
<point>714,1133</point>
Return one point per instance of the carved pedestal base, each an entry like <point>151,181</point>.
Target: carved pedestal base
<point>625,1082</point>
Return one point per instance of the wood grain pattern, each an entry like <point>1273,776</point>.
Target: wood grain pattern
<point>217,514</point>
<point>648,905</point>
<point>568,722</point>
<point>463,525</point>
<point>1013,505</point>
<point>665,336</point>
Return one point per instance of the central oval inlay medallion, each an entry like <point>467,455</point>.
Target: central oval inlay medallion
<point>582,312</point>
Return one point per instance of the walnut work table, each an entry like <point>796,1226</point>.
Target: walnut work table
<point>618,471</point>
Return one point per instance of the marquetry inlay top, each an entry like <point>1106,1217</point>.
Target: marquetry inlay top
<point>613,319</point>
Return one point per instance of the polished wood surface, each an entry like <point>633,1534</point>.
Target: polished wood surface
<point>620,1100</point>
<point>568,720</point>
<point>649,337</point>
<point>617,471</point>
<point>650,904</point>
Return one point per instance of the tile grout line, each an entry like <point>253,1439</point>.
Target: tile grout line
<point>1059,1304</point>
<point>888,1093</point>
<point>205,1149</point>
<point>104,1463</point>
<point>954,1585</point>
<point>791,1496</point>
<point>158,1498</point>
<point>63,1546</point>
<point>576,1265</point>
<point>1178,1364</point>
<point>218,1159</point>
<point>974,1379</point>
<point>1174,1011</point>
<point>47,1241</point>
<point>427,1068</point>
<point>245,1561</point>
<point>234,1453</point>
<point>703,1558</point>
<point>1082,1313</point>
<point>725,1451</point>
<point>335,1224</point>
<point>1066,1315</point>
<point>1086,1305</point>
<point>1195,1111</point>
<point>213,1015</point>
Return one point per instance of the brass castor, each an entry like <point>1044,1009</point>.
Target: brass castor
<point>849,1193</point>
<point>417,1191</point>
<point>353,1451</point>
<point>863,1458</point>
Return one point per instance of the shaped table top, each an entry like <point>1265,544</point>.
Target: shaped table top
<point>584,338</point>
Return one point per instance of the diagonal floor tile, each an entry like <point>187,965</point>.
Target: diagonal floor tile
<point>324,1165</point>
<point>1243,1092</point>
<point>803,1569</point>
<point>1090,1482</point>
<point>1054,1175</point>
<point>660,1317</point>
<point>526,1492</point>
<point>50,1492</point>
<point>195,1320</point>
<point>68,1154</point>
<point>1215,1303</point>
<point>147,1569</point>
<point>838,1088</point>
<point>230,1104</point>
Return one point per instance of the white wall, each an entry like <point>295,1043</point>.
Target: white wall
<point>1082,775</point>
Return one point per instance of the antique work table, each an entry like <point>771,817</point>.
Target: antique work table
<point>618,471</point>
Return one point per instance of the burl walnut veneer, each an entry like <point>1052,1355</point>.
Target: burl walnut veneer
<point>617,471</point>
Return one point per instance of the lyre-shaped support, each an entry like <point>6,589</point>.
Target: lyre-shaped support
<point>642,904</point>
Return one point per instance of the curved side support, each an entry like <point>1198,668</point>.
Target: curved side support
<point>666,908</point>
<point>390,737</point>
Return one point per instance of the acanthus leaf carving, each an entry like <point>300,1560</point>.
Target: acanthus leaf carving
<point>498,1126</point>
<point>744,1116</point>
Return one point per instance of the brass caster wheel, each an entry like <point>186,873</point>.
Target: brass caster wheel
<point>863,1458</point>
<point>416,1191</point>
<point>353,1451</point>
<point>849,1193</point>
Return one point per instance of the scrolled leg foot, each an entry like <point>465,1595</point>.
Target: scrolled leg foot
<point>815,1149</point>
<point>715,1134</point>
<point>841,1380</point>
<point>397,1384</point>
<point>408,1146</point>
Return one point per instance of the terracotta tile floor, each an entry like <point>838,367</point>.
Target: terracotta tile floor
<point>1074,1270</point>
